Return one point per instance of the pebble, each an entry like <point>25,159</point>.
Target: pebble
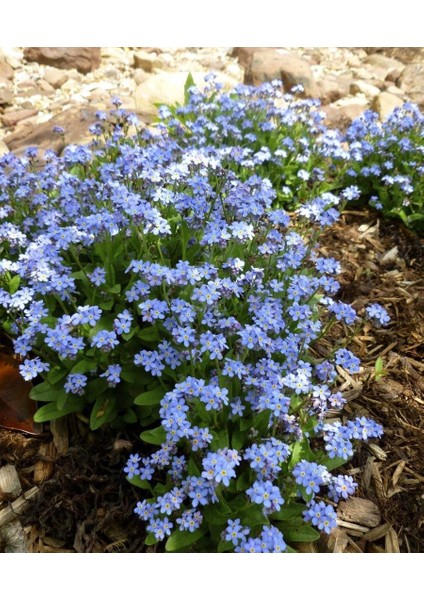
<point>347,80</point>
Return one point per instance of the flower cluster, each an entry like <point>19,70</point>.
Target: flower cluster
<point>156,279</point>
<point>386,162</point>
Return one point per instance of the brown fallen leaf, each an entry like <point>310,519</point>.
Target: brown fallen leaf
<point>16,407</point>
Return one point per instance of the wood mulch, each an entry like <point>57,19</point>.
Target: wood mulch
<point>81,501</point>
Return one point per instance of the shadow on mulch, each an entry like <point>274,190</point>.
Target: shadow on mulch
<point>87,505</point>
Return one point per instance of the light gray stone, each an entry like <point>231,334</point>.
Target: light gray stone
<point>362,87</point>
<point>168,88</point>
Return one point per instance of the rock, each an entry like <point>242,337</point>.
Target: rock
<point>245,54</point>
<point>45,87</point>
<point>367,73</point>
<point>11,118</point>
<point>82,59</point>
<point>394,75</point>
<point>340,117</point>
<point>333,88</point>
<point>147,61</point>
<point>3,148</point>
<point>270,63</point>
<point>383,62</point>
<point>6,92</point>
<point>75,121</point>
<point>11,56</point>
<point>385,103</point>
<point>139,76</point>
<point>6,71</point>
<point>412,82</point>
<point>55,77</point>
<point>393,89</point>
<point>168,88</point>
<point>362,87</point>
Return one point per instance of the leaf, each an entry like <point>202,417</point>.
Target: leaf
<point>287,513</point>
<point>103,411</point>
<point>115,289</point>
<point>48,412</point>
<point>14,284</point>
<point>154,436</point>
<point>151,398</point>
<point>182,539</point>
<point>188,84</point>
<point>130,417</point>
<point>84,366</point>
<point>303,533</point>
<point>150,539</point>
<point>140,483</point>
<point>44,392</point>
<point>149,334</point>
<point>56,374</point>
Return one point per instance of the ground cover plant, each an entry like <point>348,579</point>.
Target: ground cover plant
<point>157,279</point>
<point>386,163</point>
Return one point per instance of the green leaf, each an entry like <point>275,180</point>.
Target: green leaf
<point>182,539</point>
<point>140,483</point>
<point>303,533</point>
<point>150,539</point>
<point>287,513</point>
<point>243,481</point>
<point>44,392</point>
<point>149,334</point>
<point>85,366</point>
<point>107,304</point>
<point>103,411</point>
<point>261,421</point>
<point>115,289</point>
<point>238,439</point>
<point>188,84</point>
<point>56,374</point>
<point>48,412</point>
<point>151,398</point>
<point>14,284</point>
<point>154,436</point>
<point>224,546</point>
<point>130,417</point>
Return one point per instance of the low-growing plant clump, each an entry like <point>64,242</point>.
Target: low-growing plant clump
<point>159,279</point>
<point>386,163</point>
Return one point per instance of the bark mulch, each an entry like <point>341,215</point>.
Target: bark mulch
<point>83,503</point>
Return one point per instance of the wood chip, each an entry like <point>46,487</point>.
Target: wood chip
<point>337,540</point>
<point>360,511</point>
<point>353,526</point>
<point>398,472</point>
<point>17,507</point>
<point>392,541</point>
<point>44,468</point>
<point>377,532</point>
<point>9,482</point>
<point>377,451</point>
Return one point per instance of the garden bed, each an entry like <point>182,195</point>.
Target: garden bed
<point>85,504</point>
